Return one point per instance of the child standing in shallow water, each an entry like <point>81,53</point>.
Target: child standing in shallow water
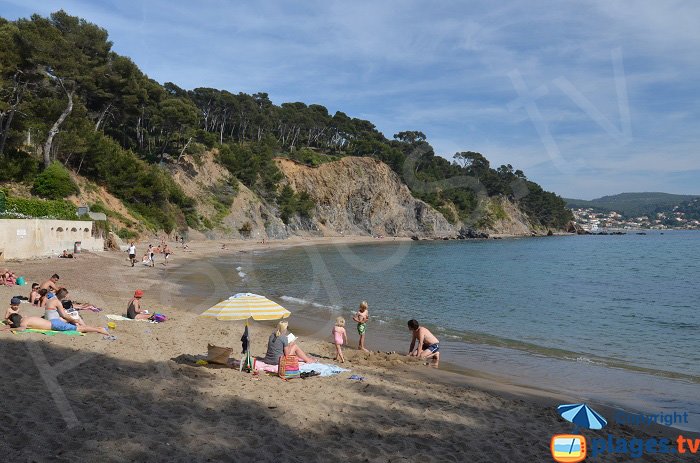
<point>340,337</point>
<point>361,318</point>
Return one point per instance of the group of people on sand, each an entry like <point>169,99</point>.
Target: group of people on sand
<point>60,313</point>
<point>149,257</point>
<point>423,343</point>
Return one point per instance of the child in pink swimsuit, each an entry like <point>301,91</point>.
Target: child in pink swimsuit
<point>340,337</point>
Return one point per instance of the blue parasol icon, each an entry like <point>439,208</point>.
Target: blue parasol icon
<point>582,416</point>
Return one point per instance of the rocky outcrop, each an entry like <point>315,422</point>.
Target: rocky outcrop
<point>361,196</point>
<point>210,185</point>
<point>500,216</point>
<point>352,196</point>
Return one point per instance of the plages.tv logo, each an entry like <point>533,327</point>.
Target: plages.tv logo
<point>571,448</point>
<point>568,448</point>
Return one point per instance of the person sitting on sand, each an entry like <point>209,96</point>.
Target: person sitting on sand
<point>13,309</point>
<point>18,322</point>
<point>133,310</point>
<point>34,295</point>
<point>278,344</point>
<point>361,318</point>
<point>8,278</point>
<point>340,337</point>
<point>66,254</point>
<point>50,284</point>
<point>55,311</point>
<point>427,345</point>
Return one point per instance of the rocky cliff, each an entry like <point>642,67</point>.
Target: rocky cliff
<point>361,196</point>
<point>352,196</point>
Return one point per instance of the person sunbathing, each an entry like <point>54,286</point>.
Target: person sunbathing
<point>20,323</point>
<point>66,254</point>
<point>8,278</point>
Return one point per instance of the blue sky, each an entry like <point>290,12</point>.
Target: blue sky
<point>588,98</point>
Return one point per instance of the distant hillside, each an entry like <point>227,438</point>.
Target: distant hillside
<point>633,204</point>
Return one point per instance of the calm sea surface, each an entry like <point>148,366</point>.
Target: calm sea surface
<point>608,318</point>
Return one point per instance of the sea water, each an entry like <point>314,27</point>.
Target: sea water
<point>607,318</point>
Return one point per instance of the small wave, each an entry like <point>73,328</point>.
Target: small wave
<point>239,268</point>
<point>242,275</point>
<point>297,300</point>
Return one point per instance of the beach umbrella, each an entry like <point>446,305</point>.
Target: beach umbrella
<point>242,306</point>
<point>582,416</point>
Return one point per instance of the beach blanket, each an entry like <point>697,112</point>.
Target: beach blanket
<point>321,368</point>
<point>50,332</point>
<point>123,319</point>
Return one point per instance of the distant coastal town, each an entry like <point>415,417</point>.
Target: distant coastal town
<point>592,220</point>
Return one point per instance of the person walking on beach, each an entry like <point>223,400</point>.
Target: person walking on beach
<point>340,337</point>
<point>132,253</point>
<point>166,252</point>
<point>426,344</point>
<point>361,318</point>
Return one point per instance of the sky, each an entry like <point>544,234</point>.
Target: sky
<point>589,98</point>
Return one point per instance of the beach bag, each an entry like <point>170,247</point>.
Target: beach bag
<point>218,355</point>
<point>158,318</point>
<point>288,367</point>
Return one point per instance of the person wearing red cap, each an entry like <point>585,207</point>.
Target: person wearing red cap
<point>134,311</point>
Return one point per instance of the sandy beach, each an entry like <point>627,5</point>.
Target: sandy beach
<point>143,397</point>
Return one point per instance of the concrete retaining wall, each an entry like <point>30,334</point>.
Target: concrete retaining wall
<point>26,238</point>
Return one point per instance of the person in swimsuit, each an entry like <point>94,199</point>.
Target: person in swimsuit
<point>18,322</point>
<point>134,311</point>
<point>426,344</point>
<point>50,284</point>
<point>34,295</point>
<point>361,318</point>
<point>166,252</point>
<point>13,309</point>
<point>340,337</point>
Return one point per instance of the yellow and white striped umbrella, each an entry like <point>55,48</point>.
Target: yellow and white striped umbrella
<point>242,306</point>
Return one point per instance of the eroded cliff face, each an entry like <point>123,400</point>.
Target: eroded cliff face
<point>352,196</point>
<point>361,196</point>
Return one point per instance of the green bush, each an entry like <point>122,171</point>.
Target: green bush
<point>3,199</point>
<point>291,203</point>
<point>127,234</point>
<point>20,207</point>
<point>54,183</point>
<point>245,229</point>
